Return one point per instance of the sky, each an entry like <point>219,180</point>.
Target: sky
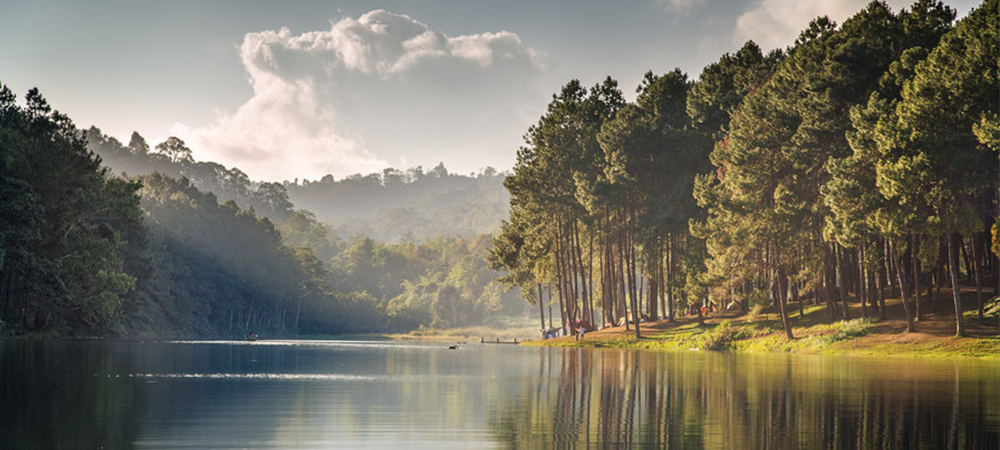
<point>299,89</point>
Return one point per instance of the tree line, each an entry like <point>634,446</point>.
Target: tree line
<point>386,206</point>
<point>415,203</point>
<point>861,158</point>
<point>86,251</point>
<point>174,158</point>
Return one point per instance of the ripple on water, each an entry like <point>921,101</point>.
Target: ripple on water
<point>307,377</point>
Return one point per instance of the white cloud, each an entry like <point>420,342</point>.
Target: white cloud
<point>336,101</point>
<point>777,23</point>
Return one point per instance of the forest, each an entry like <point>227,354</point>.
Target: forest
<point>141,244</point>
<point>859,160</point>
<point>386,206</point>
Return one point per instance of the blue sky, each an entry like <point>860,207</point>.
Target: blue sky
<point>299,89</point>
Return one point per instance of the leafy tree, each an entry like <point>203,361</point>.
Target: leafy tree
<point>272,198</point>
<point>175,150</point>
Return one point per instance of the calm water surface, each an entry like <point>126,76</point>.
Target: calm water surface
<point>309,395</point>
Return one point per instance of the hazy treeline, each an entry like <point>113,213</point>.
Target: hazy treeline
<point>88,252</point>
<point>862,157</point>
<point>386,206</point>
<point>413,203</point>
<point>173,158</point>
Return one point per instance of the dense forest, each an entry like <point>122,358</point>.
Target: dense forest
<point>150,249</point>
<point>861,159</point>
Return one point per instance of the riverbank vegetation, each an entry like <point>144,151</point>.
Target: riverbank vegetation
<point>858,164</point>
<point>815,334</point>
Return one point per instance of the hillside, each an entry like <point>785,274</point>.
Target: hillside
<point>387,206</point>
<point>411,204</point>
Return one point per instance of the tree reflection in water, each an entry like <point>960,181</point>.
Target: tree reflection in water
<point>89,394</point>
<point>616,399</point>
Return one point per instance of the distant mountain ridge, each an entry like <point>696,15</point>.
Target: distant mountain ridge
<point>394,204</point>
<point>388,206</point>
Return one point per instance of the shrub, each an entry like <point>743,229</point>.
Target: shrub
<point>722,335</point>
<point>850,329</point>
<point>755,312</point>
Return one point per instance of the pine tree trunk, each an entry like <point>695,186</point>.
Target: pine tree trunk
<point>781,300</point>
<point>607,308</point>
<point>662,285</point>
<point>670,277</point>
<point>562,309</point>
<point>798,299</point>
<point>977,267</point>
<point>569,270</point>
<point>902,290</point>
<point>590,277</point>
<point>632,273</point>
<point>581,273</point>
<point>840,282</point>
<point>965,258</point>
<point>622,261</point>
<point>888,268</point>
<point>548,290</point>
<point>915,273</point>
<point>652,298</point>
<point>956,294</point>
<point>942,270</point>
<point>880,290</point>
<point>541,308</point>
<point>931,275</point>
<point>862,288</point>
<point>561,284</point>
<point>828,284</point>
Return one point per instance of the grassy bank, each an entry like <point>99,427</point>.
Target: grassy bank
<point>814,332</point>
<point>469,334</point>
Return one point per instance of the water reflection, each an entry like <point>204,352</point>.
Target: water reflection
<point>93,394</point>
<point>614,399</point>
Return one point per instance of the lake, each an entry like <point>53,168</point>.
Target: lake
<point>92,394</point>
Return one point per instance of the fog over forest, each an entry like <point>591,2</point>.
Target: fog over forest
<point>414,203</point>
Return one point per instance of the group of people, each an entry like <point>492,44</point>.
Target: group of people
<point>580,328</point>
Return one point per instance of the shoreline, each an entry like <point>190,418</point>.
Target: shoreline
<point>815,333</point>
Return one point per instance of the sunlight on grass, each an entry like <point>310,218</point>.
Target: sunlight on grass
<point>761,331</point>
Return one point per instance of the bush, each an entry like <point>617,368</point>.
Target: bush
<point>850,329</point>
<point>722,335</point>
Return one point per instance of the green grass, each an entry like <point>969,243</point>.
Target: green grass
<point>857,337</point>
<point>505,334</point>
<point>985,348</point>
